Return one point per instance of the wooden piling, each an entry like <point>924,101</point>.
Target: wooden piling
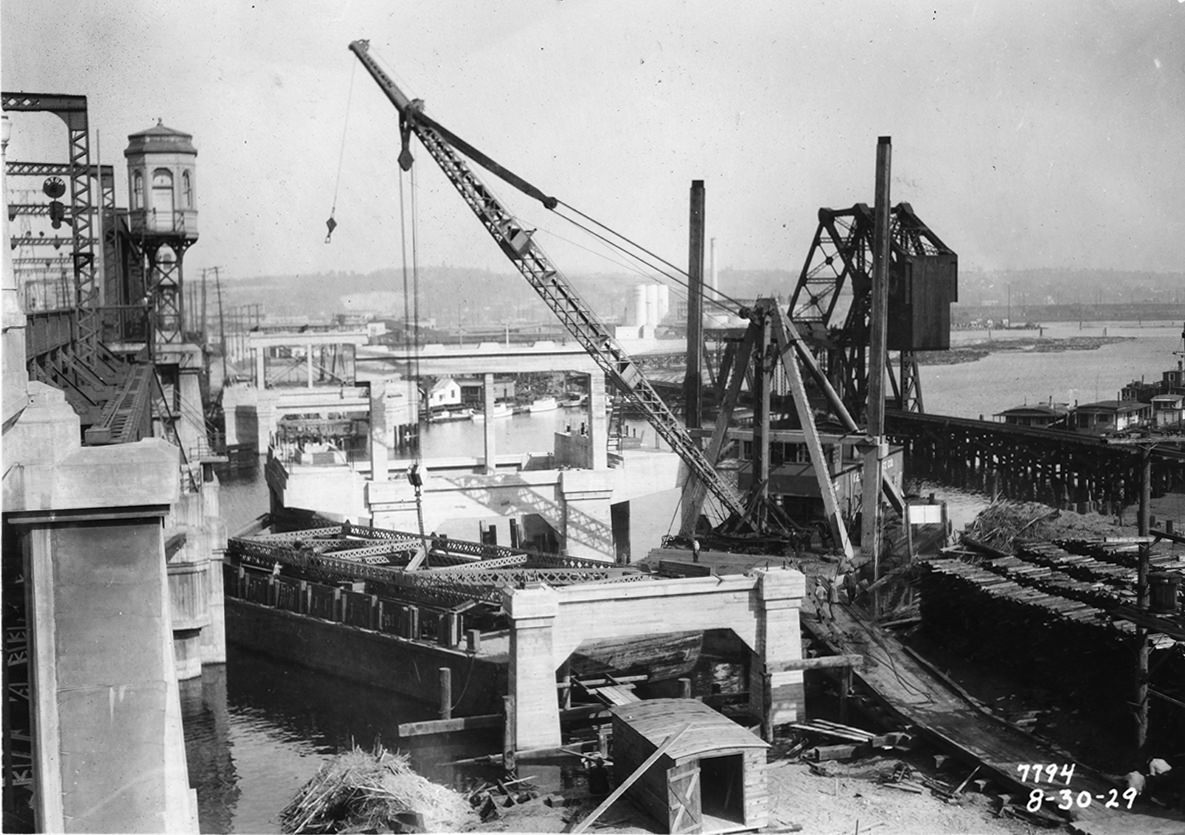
<point>446,693</point>
<point>508,734</point>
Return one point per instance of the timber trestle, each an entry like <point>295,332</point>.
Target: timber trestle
<point>1062,469</point>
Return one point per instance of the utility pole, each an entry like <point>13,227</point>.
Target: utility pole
<point>877,355</point>
<point>1143,651</point>
<point>1144,528</point>
<point>221,322</point>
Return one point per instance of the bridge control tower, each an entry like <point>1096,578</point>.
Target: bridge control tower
<point>163,221</point>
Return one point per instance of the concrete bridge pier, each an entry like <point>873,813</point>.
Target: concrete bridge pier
<point>87,523</point>
<point>775,692</point>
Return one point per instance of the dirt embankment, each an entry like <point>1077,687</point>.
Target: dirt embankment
<point>978,350</point>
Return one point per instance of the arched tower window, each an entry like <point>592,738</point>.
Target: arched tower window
<point>162,192</point>
<point>137,190</point>
<point>186,190</point>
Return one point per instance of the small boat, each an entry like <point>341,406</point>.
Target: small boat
<point>501,410</point>
<point>450,414</point>
<point>575,401</point>
<point>544,404</point>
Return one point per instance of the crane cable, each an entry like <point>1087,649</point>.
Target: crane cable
<point>411,342</point>
<point>331,224</point>
<point>673,276</point>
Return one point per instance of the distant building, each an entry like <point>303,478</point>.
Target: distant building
<point>1174,381</point>
<point>1041,415</point>
<point>1168,409</point>
<point>443,393</point>
<point>473,390</point>
<point>1111,415</point>
<point>1141,391</point>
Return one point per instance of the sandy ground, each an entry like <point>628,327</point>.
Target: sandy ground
<point>848,800</point>
<point>832,798</point>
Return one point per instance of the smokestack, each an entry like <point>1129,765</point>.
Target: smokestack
<point>713,281</point>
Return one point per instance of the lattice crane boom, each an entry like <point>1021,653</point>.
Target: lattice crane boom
<point>551,285</point>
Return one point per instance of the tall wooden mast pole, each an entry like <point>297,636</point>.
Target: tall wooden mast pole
<point>692,381</point>
<point>877,354</point>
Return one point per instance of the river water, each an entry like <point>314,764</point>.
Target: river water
<point>257,729</point>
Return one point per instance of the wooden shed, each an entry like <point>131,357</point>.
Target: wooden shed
<point>710,779</point>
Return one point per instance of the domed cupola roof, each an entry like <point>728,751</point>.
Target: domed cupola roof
<point>160,139</point>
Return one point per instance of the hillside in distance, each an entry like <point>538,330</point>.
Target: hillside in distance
<point>471,296</point>
<point>460,294</point>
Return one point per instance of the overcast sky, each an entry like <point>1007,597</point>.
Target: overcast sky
<point>1025,134</point>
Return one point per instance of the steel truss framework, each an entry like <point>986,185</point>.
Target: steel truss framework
<point>64,347</point>
<point>73,111</point>
<point>832,301</point>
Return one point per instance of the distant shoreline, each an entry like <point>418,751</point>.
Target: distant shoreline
<point>978,350</point>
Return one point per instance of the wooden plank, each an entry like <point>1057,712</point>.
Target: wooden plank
<point>445,726</point>
<point>684,568</point>
<point>850,737</point>
<point>615,695</point>
<point>820,663</point>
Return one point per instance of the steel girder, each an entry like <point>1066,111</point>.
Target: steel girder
<point>73,111</point>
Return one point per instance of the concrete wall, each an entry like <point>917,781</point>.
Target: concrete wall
<point>575,503</point>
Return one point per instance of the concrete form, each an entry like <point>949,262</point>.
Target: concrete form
<point>549,624</point>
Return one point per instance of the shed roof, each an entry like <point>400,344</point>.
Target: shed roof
<point>1113,406</point>
<point>656,719</point>
<point>1037,410</point>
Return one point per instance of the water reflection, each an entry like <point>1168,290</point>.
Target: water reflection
<point>257,729</point>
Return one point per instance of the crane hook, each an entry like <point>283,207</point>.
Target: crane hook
<point>331,224</point>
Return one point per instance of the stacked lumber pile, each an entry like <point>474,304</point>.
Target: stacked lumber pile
<point>1036,573</point>
<point>1126,554</point>
<point>1079,565</point>
<point>997,615</point>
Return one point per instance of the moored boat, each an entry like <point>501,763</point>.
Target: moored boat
<point>501,410</point>
<point>450,414</point>
<point>544,404</point>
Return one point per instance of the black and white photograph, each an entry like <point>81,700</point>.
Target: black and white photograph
<point>593,416</point>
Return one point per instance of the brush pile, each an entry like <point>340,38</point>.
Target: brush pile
<point>362,791</point>
<point>1004,521</point>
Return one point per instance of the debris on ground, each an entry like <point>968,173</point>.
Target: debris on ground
<point>376,791</point>
<point>1004,521</point>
